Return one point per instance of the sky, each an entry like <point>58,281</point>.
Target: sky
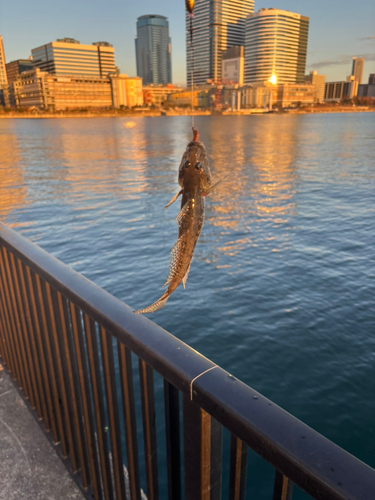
<point>339,29</point>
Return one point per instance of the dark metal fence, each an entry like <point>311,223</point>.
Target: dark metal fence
<point>62,338</point>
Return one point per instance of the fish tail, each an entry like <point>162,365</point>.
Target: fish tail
<point>159,304</point>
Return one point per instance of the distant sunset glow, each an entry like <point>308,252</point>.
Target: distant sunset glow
<point>273,79</point>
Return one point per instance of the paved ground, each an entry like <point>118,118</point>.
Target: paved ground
<point>29,467</point>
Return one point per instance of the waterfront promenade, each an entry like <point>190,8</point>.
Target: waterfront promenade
<point>29,467</point>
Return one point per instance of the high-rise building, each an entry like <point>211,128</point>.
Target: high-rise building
<point>4,95</point>
<point>15,68</point>
<point>319,83</point>
<point>67,56</point>
<point>357,68</point>
<point>3,73</point>
<point>217,26</point>
<point>275,46</point>
<point>153,50</point>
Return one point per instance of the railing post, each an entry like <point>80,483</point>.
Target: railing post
<point>237,469</point>
<point>202,453</point>
<point>149,429</point>
<point>130,422</point>
<point>282,488</point>
<point>172,426</point>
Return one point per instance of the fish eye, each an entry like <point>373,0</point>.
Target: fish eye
<point>187,164</point>
<point>198,165</point>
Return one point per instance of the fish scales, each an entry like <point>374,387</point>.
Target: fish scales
<point>194,178</point>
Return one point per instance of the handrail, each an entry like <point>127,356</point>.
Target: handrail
<point>308,459</point>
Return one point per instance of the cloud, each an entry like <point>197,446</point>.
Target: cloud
<point>372,37</point>
<point>343,59</point>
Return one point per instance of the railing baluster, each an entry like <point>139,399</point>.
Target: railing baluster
<point>34,396</point>
<point>237,469</point>
<point>98,397</point>
<point>113,412</point>
<point>37,380</point>
<point>20,324</point>
<point>282,487</point>
<point>40,292</point>
<point>11,324</point>
<point>13,361</point>
<point>149,429</point>
<point>75,405</point>
<point>48,414</point>
<point>92,458</point>
<point>3,355</point>
<point>172,425</point>
<point>6,354</point>
<point>202,453</point>
<point>127,392</point>
<point>55,325</point>
<point>18,333</point>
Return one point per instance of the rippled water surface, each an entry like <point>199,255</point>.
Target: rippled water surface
<point>281,289</point>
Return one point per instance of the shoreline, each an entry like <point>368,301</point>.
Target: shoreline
<point>244,112</point>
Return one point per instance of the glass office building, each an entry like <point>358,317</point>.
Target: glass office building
<point>275,45</point>
<point>153,50</point>
<point>67,56</point>
<point>217,26</point>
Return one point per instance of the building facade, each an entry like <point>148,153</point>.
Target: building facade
<point>67,56</point>
<point>293,94</point>
<point>217,26</point>
<point>367,89</point>
<point>336,91</point>
<point>153,49</point>
<point>319,83</point>
<point>15,68</point>
<point>232,61</point>
<point>156,95</point>
<point>357,69</point>
<point>276,46</point>
<point>59,92</point>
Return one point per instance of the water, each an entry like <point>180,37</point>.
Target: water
<point>281,289</point>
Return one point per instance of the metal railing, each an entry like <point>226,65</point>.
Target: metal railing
<point>71,346</point>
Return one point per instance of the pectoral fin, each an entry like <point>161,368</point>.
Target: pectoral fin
<point>173,199</point>
<point>208,191</point>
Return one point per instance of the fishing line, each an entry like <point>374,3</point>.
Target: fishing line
<point>190,7</point>
<point>192,70</point>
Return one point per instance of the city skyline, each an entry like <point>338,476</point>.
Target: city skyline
<point>334,38</point>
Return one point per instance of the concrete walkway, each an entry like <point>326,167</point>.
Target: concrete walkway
<point>29,467</point>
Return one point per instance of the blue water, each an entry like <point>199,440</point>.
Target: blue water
<point>281,289</point>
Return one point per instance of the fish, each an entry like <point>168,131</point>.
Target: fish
<point>194,178</point>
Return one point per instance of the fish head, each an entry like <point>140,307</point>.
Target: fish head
<point>194,171</point>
